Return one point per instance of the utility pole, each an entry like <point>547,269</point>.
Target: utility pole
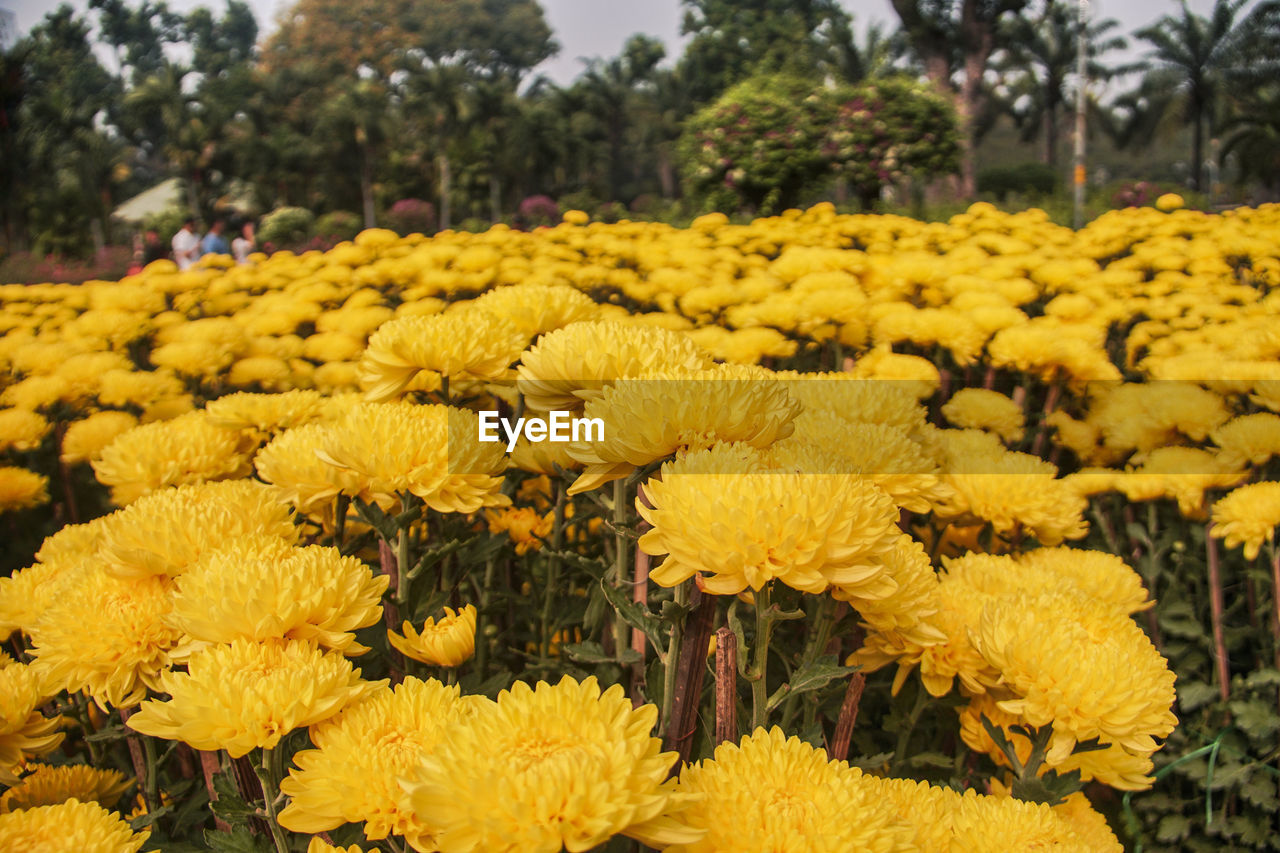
<point>1082,80</point>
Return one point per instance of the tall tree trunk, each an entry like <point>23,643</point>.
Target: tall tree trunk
<point>193,200</point>
<point>978,38</point>
<point>366,186</point>
<point>1051,136</point>
<point>442,161</point>
<point>666,173</point>
<point>1197,150</point>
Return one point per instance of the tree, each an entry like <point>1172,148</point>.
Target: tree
<point>735,39</point>
<point>947,33</point>
<point>1038,60</point>
<point>1204,54</point>
<point>486,37</point>
<point>55,133</point>
<point>885,130</point>
<point>758,147</point>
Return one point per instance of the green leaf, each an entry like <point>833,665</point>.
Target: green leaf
<point>815,676</point>
<point>930,759</point>
<point>115,731</point>
<point>1052,788</point>
<point>636,615</point>
<point>1196,694</point>
<point>593,653</point>
<point>1174,827</point>
<point>1259,720</point>
<point>142,821</point>
<point>238,840</point>
<point>229,805</point>
<point>594,566</point>
<point>372,515</point>
<point>1260,790</point>
<point>1263,678</point>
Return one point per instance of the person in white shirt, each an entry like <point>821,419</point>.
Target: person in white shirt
<point>244,243</point>
<point>186,245</point>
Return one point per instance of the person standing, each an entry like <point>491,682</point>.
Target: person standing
<point>244,243</point>
<point>186,245</point>
<point>214,243</point>
<point>152,248</point>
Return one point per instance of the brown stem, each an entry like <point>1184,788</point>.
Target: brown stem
<point>726,686</point>
<point>1216,608</point>
<point>839,750</point>
<point>390,612</point>
<point>690,674</point>
<point>136,756</point>
<point>1275,599</point>
<point>640,595</point>
<point>250,789</point>
<point>211,765</point>
<point>1050,403</point>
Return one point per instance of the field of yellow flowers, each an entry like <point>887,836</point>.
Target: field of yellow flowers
<point>879,535</point>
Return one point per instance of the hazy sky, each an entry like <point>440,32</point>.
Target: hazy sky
<point>598,28</point>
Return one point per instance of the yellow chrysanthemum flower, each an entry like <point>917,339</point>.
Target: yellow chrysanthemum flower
<point>319,845</point>
<point>246,695</point>
<point>536,309</point>
<point>187,449</point>
<point>573,364</point>
<point>165,532</point>
<point>525,526</point>
<point>85,440</point>
<point>978,408</point>
<point>1112,765</point>
<point>554,767</point>
<point>22,489</point>
<point>1009,489</point>
<point>353,773</point>
<point>771,792</point>
<point>1058,652</point>
<point>448,641</point>
<point>649,419</point>
<point>884,454</point>
<point>471,344</point>
<point>1251,439</point>
<point>385,450</point>
<point>722,515</point>
<point>289,462</point>
<point>1002,823</point>
<point>73,825</point>
<point>107,636</point>
<point>22,429</point>
<point>24,731</point>
<point>1248,516</point>
<point>48,786</point>
<point>262,587</point>
<point>264,414</point>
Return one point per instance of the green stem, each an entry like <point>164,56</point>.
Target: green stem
<point>904,734</point>
<point>760,666</point>
<point>402,558</point>
<point>553,573</point>
<point>444,388</point>
<point>819,637</point>
<point>340,503</point>
<point>266,771</point>
<point>153,774</point>
<point>621,571</point>
<point>672,667</point>
<point>482,621</point>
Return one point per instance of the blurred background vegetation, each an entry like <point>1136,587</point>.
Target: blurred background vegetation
<point>425,115</point>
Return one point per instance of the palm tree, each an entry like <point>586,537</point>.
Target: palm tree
<point>1208,52</point>
<point>1038,59</point>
